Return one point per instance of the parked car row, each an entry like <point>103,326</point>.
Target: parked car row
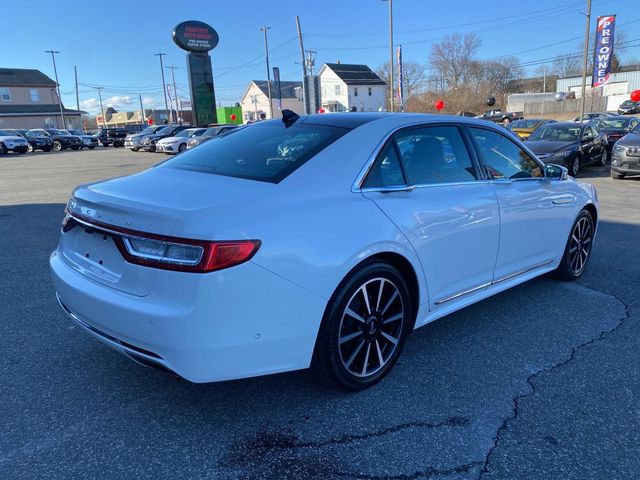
<point>595,137</point>
<point>23,141</point>
<point>172,139</point>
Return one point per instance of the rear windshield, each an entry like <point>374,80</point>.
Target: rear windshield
<point>265,151</point>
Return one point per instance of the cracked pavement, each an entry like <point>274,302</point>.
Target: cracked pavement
<point>541,381</point>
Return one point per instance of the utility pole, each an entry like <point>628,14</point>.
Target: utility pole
<point>55,71</point>
<point>104,120</point>
<point>175,90</point>
<point>266,53</point>
<point>75,72</point>
<point>586,57</point>
<point>544,79</point>
<point>391,99</point>
<point>305,97</point>
<point>311,60</point>
<point>141,110</point>
<point>164,86</point>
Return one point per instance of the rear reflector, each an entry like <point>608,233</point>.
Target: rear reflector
<point>171,253</point>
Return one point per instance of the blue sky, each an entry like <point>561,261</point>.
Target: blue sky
<point>112,42</point>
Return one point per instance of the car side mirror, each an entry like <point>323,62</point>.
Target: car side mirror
<point>555,172</point>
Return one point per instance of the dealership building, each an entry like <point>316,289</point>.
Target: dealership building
<point>28,99</point>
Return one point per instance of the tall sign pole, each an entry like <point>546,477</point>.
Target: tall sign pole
<point>266,54</point>
<point>198,38</point>
<point>585,58</point>
<point>104,120</point>
<point>55,71</point>
<point>391,82</point>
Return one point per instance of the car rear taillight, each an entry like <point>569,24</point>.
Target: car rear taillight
<point>171,253</point>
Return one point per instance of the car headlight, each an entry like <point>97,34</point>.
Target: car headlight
<point>618,148</point>
<point>562,154</point>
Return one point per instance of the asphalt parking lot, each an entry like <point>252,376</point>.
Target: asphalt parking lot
<point>540,382</point>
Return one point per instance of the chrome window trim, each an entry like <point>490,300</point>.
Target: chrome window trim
<point>362,175</point>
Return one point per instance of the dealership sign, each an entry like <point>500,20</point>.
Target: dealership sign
<point>195,36</point>
<point>604,51</point>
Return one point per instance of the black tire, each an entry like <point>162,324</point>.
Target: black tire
<point>616,176</point>
<point>182,147</point>
<point>3,149</point>
<point>134,149</point>
<point>604,157</point>
<point>57,146</point>
<point>104,144</point>
<point>92,147</point>
<point>579,244</point>
<point>76,148</point>
<point>29,148</point>
<point>574,168</point>
<point>46,149</point>
<point>369,337</point>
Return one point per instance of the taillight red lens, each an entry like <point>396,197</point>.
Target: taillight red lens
<point>173,253</point>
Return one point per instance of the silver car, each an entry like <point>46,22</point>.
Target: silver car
<point>625,155</point>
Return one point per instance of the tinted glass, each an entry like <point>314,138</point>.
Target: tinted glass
<point>614,123</point>
<point>4,133</point>
<point>504,158</point>
<point>386,171</point>
<point>434,155</point>
<point>267,151</point>
<point>558,133</point>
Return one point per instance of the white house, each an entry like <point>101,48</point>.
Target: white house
<point>255,101</point>
<point>347,87</point>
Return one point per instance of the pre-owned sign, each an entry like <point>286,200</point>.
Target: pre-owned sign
<point>195,36</point>
<point>604,51</point>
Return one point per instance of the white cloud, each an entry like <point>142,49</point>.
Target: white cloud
<point>90,105</point>
<point>117,101</point>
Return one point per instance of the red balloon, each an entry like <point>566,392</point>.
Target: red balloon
<point>439,104</point>
<point>233,116</point>
<point>635,96</point>
<point>150,121</point>
<point>321,110</point>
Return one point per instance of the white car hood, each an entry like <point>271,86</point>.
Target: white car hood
<point>168,140</point>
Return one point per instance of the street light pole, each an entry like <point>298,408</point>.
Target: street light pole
<point>175,91</point>
<point>55,71</point>
<point>266,53</point>
<point>391,99</point>
<point>585,59</point>
<point>164,86</point>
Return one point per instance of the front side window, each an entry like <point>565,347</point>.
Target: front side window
<point>35,95</point>
<point>5,94</point>
<point>369,91</point>
<point>355,91</point>
<point>337,90</point>
<point>267,151</point>
<point>588,133</point>
<point>504,158</point>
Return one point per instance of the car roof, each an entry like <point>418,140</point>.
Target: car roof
<point>572,124</point>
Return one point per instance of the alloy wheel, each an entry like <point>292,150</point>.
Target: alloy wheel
<point>575,167</point>
<point>57,146</point>
<point>29,148</point>
<point>371,327</point>
<point>580,246</point>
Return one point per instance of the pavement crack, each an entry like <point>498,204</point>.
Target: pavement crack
<point>428,472</point>
<point>532,389</point>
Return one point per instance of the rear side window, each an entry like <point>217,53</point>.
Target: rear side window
<point>267,151</point>
<point>503,157</point>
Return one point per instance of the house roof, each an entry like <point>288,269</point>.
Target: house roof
<point>288,89</point>
<point>353,74</point>
<point>23,76</point>
<point>41,109</point>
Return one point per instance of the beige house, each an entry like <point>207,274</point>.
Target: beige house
<point>28,99</point>
<point>255,101</point>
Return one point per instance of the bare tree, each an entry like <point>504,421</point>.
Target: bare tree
<point>567,65</point>
<point>412,77</point>
<point>453,58</point>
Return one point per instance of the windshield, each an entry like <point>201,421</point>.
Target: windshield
<point>557,133</point>
<point>4,133</point>
<point>75,132</point>
<point>524,124</point>
<point>53,131</point>
<point>267,152</point>
<point>186,133</point>
<point>150,130</point>
<point>165,130</point>
<point>614,123</point>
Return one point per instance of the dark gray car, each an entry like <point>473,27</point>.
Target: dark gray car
<point>625,155</point>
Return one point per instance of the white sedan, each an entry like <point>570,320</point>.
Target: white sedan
<point>178,143</point>
<point>320,240</point>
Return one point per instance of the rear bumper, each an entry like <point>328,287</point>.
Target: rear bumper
<point>235,323</point>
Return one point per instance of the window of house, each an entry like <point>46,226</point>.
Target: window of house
<point>370,91</point>
<point>5,94</point>
<point>337,90</point>
<point>355,91</point>
<point>35,95</point>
